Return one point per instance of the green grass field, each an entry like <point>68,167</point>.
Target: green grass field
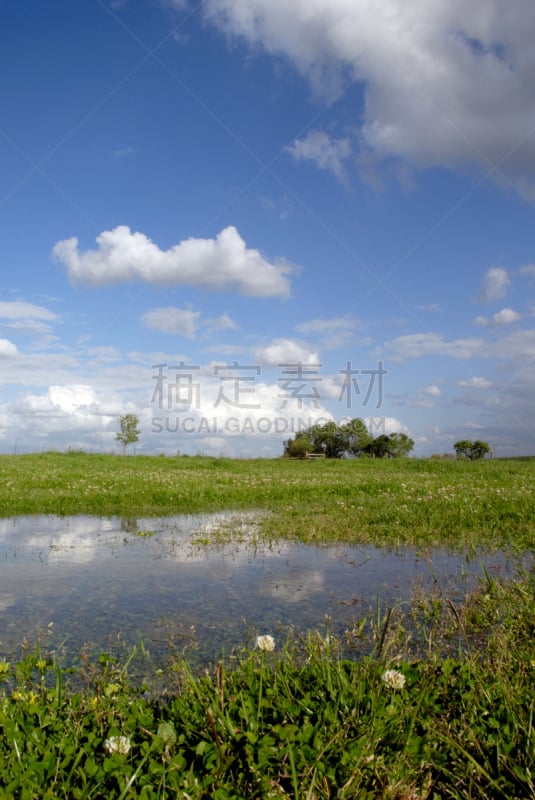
<point>385,502</point>
<point>299,721</point>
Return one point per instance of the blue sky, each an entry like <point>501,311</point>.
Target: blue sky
<point>300,211</point>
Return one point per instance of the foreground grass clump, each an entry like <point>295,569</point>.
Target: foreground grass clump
<point>397,502</point>
<point>293,720</point>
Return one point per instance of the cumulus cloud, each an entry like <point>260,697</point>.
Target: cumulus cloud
<point>63,415</point>
<point>221,264</point>
<point>379,425</point>
<point>285,351</point>
<point>324,151</point>
<point>7,349</point>
<point>495,285</point>
<point>62,400</point>
<point>178,321</point>
<point>445,83</point>
<point>504,317</point>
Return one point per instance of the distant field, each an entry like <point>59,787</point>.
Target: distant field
<point>388,502</point>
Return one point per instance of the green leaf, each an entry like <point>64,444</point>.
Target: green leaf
<point>166,733</point>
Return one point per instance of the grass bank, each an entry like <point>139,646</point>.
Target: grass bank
<point>416,502</point>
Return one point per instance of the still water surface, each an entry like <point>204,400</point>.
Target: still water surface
<point>99,579</point>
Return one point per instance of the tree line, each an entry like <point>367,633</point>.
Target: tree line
<point>334,440</point>
<point>352,438</point>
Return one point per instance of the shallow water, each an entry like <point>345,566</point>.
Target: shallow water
<point>100,581</point>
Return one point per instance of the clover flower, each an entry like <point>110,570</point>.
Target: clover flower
<point>393,679</point>
<point>265,642</point>
<point>118,744</point>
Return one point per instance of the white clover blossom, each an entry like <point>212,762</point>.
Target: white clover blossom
<point>265,642</point>
<point>118,744</point>
<point>393,679</point>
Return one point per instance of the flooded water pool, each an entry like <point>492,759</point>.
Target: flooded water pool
<point>94,581</point>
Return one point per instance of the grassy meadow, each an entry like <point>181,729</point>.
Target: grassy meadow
<point>416,502</point>
<point>291,718</point>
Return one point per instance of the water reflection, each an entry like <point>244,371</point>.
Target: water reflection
<point>97,579</point>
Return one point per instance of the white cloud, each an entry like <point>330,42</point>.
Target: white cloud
<point>177,321</point>
<point>222,323</point>
<point>185,322</point>
<point>285,351</point>
<point>30,327</point>
<point>504,317</point>
<point>222,264</point>
<point>379,425</point>
<point>432,391</point>
<point>64,400</point>
<point>324,151</point>
<point>7,349</point>
<point>19,310</point>
<point>518,345</point>
<point>427,396</point>
<point>79,415</point>
<point>333,332</point>
<point>476,383</point>
<point>104,354</point>
<point>446,83</point>
<point>418,345</point>
<point>495,285</point>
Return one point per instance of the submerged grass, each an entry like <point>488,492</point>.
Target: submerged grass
<point>415,502</point>
<point>299,720</point>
